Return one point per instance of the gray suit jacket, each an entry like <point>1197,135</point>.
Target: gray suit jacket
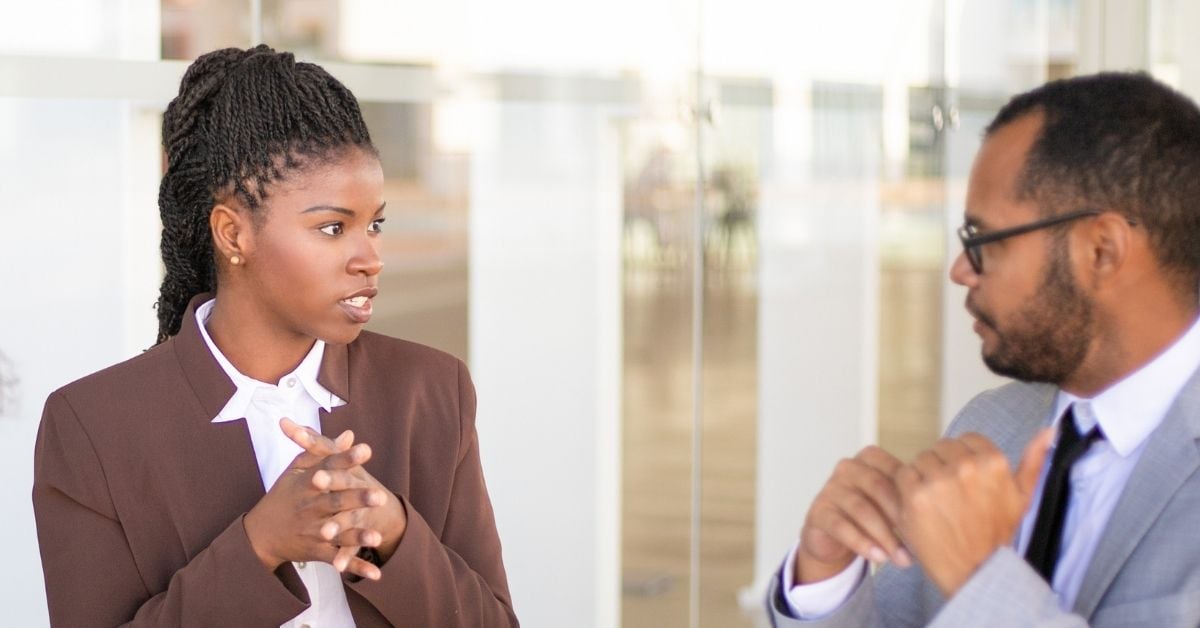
<point>1146,569</point>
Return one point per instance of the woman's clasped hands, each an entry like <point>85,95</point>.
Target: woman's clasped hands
<point>326,507</point>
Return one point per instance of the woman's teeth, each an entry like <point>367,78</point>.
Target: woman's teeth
<point>356,301</point>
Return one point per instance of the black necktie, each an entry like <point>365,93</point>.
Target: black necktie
<point>1046,540</point>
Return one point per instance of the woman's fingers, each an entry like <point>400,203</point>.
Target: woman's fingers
<point>334,502</point>
<point>358,537</point>
<point>345,559</point>
<point>345,554</point>
<point>362,569</point>
<point>314,442</point>
<point>338,480</point>
<point>348,459</point>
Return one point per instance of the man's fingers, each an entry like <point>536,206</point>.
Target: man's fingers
<point>879,459</point>
<point>951,451</point>
<point>878,487</point>
<point>871,499</point>
<point>842,528</point>
<point>1030,467</point>
<point>857,522</point>
<point>845,528</point>
<point>927,466</point>
<point>979,444</point>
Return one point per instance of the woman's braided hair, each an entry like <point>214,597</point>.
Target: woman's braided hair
<point>242,120</point>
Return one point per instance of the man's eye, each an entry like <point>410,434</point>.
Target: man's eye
<point>334,229</point>
<point>376,225</point>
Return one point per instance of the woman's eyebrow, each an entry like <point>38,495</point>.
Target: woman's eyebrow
<point>340,210</point>
<point>328,208</point>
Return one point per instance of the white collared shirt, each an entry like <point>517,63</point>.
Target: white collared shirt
<point>1127,412</point>
<point>297,396</point>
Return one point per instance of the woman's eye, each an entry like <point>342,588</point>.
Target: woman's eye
<point>376,225</point>
<point>334,229</point>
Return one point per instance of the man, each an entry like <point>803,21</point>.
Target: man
<point>1071,497</point>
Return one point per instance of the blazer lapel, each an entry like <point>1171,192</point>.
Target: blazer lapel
<point>1028,410</point>
<point>334,375</point>
<point>223,450</point>
<point>1170,458</point>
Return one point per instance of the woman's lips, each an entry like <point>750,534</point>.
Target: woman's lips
<point>357,308</point>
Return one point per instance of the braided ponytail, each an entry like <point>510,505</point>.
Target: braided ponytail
<point>242,120</point>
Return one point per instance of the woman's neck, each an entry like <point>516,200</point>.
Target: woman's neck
<point>254,345</point>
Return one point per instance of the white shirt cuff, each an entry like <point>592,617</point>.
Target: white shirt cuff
<point>820,599</point>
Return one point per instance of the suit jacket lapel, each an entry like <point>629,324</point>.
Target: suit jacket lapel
<point>222,450</point>
<point>1028,411</point>
<point>334,375</point>
<point>1169,459</point>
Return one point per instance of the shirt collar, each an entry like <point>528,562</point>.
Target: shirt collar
<point>305,373</point>
<point>1129,410</point>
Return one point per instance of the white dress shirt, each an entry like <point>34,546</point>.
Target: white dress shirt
<point>1127,412</point>
<point>298,397</point>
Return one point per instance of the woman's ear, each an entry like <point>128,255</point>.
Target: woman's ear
<point>232,234</point>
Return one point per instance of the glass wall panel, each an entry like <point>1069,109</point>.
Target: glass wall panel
<point>423,287</point>
<point>736,156</point>
<point>993,50</point>
<point>545,340</point>
<point>80,29</point>
<point>817,121</point>
<point>190,28</point>
<point>78,280</point>
<point>1174,53</point>
<point>658,242</point>
<point>618,38</point>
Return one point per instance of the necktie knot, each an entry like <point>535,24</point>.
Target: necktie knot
<point>1071,444</point>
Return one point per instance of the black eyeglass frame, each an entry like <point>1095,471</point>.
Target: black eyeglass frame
<point>972,241</point>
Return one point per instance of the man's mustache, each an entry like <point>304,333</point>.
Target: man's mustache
<point>978,314</point>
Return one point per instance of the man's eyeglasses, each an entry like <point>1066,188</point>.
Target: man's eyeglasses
<point>973,241</point>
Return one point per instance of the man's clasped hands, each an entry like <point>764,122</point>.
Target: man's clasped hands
<point>949,509</point>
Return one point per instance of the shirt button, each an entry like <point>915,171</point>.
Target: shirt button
<point>305,626</point>
<point>291,382</point>
<point>301,565</point>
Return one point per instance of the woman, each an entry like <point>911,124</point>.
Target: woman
<point>193,484</point>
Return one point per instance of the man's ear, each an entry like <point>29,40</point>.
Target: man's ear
<point>232,233</point>
<point>1108,242</point>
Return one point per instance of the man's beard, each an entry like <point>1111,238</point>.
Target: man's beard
<point>1046,340</point>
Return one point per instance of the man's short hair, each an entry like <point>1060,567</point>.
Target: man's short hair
<point>1121,142</point>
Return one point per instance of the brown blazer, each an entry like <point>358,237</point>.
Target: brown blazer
<point>139,497</point>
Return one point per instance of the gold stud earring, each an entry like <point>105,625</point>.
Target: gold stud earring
<point>235,260</point>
